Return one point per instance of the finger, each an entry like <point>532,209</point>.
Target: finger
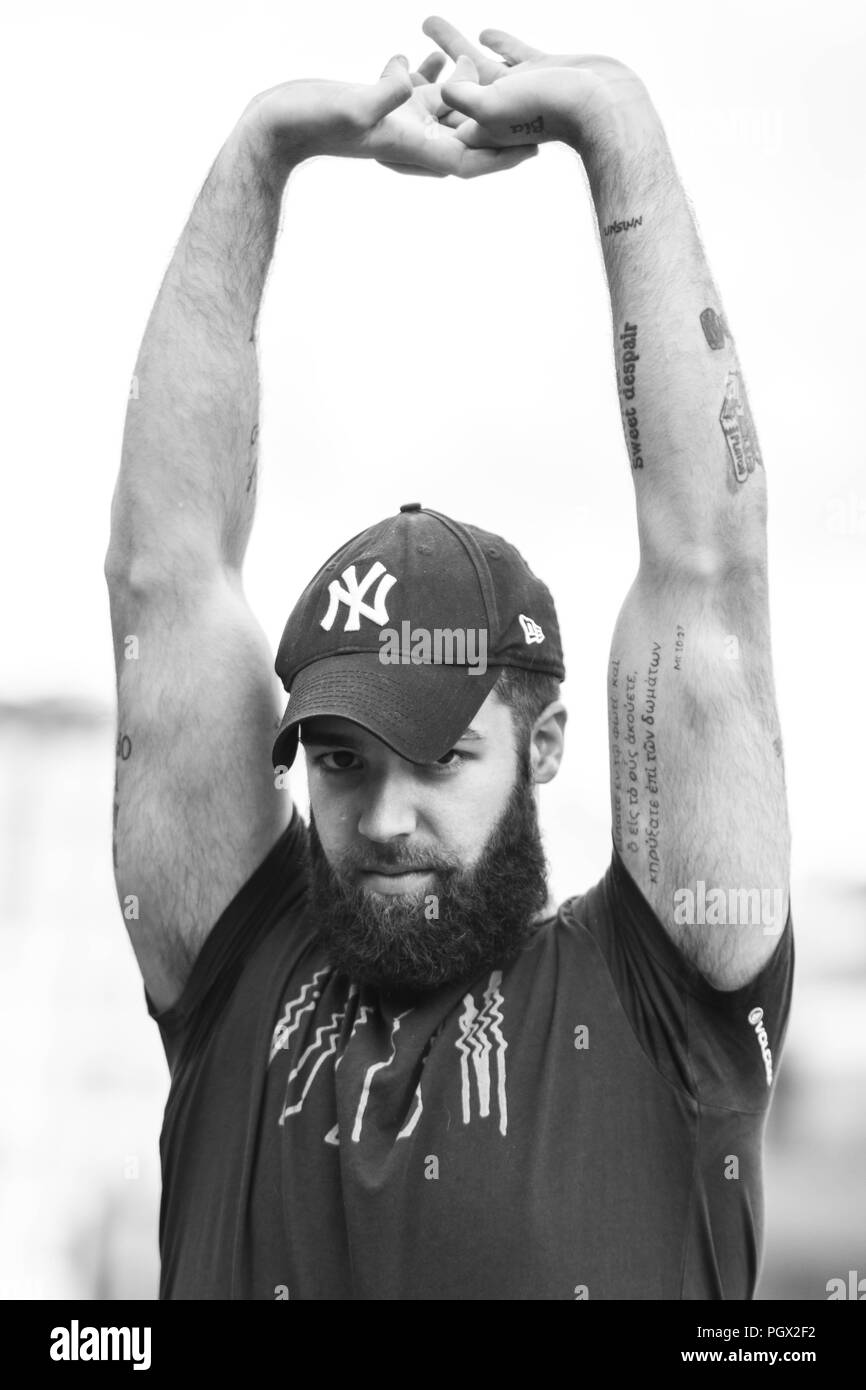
<point>431,66</point>
<point>457,45</point>
<point>478,137</point>
<point>430,93</point>
<point>478,162</point>
<point>430,97</point>
<point>392,89</point>
<point>472,99</point>
<point>512,49</point>
<point>474,135</point>
<point>466,70</point>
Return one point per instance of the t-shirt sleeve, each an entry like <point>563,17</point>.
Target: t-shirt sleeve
<point>722,1046</point>
<point>269,893</point>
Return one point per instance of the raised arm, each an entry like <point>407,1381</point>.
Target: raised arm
<point>195,806</point>
<point>697,782</point>
<point>196,809</point>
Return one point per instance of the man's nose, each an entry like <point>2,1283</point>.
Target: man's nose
<point>389,807</point>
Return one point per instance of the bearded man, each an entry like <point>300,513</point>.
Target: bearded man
<point>397,1071</point>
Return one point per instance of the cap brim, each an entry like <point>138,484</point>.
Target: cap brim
<point>419,710</point>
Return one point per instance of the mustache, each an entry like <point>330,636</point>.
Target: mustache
<point>395,858</point>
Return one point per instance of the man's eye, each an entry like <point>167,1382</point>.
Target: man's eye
<point>449,759</point>
<point>341,761</point>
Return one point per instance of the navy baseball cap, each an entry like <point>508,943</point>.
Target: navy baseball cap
<point>405,631</point>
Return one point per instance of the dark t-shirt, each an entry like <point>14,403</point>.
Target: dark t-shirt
<point>585,1123</point>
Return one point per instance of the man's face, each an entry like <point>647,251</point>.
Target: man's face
<point>422,874</point>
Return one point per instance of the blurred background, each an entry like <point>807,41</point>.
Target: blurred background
<point>447,342</point>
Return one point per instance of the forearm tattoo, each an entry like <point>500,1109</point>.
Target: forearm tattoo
<point>716,331</point>
<point>738,428</point>
<point>626,375</point>
<point>613,228</point>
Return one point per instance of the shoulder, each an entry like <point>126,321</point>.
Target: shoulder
<point>252,948</point>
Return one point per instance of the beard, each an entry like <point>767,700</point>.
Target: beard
<point>468,921</point>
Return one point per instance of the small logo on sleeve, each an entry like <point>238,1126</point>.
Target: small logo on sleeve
<point>756,1018</point>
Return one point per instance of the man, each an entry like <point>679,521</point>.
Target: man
<point>395,1075</point>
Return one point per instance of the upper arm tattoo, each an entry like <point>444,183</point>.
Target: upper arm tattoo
<point>738,428</point>
<point>635,788</point>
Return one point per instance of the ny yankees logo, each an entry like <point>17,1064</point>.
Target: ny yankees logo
<point>353,596</point>
<point>531,630</point>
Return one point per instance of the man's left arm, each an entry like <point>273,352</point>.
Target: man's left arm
<point>697,780</point>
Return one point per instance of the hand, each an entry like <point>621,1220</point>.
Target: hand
<point>438,112</point>
<point>525,93</point>
<point>391,120</point>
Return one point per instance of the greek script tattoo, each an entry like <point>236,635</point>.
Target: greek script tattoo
<point>615,758</point>
<point>715,329</point>
<point>124,747</point>
<point>739,430</point>
<point>651,832</point>
<point>529,127</point>
<point>613,227</point>
<point>679,648</point>
<point>634,762</point>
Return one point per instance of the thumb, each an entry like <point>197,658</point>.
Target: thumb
<point>464,70</point>
<point>463,93</point>
<point>393,87</point>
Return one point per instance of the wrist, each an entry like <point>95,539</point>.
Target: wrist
<point>254,145</point>
<point>620,134</point>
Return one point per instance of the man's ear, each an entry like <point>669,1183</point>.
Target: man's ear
<point>547,742</point>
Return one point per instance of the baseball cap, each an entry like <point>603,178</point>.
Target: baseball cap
<point>405,631</point>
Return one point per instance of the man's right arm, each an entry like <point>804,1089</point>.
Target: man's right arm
<point>196,809</point>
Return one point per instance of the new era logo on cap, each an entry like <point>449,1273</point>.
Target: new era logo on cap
<point>531,631</point>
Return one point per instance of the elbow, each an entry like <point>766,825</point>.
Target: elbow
<point>709,567</point>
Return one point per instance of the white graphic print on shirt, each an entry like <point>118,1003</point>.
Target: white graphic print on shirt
<point>476,1028</point>
<point>480,1043</point>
